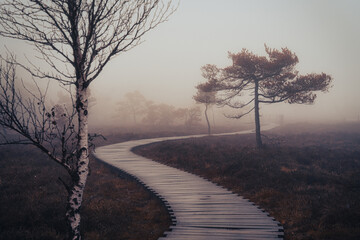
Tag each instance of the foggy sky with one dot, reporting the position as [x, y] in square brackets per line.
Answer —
[324, 34]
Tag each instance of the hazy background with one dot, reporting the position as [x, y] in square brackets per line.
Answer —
[325, 35]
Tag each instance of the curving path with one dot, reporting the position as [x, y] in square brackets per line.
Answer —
[199, 209]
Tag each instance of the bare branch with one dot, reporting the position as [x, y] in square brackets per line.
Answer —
[24, 113]
[76, 39]
[240, 115]
[85, 35]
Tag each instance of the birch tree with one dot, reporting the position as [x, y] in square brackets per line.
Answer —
[252, 80]
[77, 39]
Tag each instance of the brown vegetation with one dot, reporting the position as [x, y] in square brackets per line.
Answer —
[33, 201]
[307, 179]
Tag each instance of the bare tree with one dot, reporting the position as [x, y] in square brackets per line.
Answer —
[76, 38]
[192, 117]
[270, 79]
[208, 99]
[134, 104]
[24, 111]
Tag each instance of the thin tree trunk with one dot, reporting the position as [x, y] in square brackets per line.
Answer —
[257, 117]
[80, 174]
[81, 170]
[212, 111]
[207, 119]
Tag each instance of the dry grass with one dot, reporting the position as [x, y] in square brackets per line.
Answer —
[308, 180]
[33, 201]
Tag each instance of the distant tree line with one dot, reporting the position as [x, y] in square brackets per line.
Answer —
[135, 110]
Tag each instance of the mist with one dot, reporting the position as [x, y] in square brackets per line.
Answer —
[165, 68]
[220, 74]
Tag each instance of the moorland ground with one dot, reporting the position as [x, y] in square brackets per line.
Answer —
[307, 176]
[33, 200]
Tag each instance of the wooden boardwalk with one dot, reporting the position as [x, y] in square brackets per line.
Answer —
[199, 209]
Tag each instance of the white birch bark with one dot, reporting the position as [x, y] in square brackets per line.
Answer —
[82, 37]
[82, 169]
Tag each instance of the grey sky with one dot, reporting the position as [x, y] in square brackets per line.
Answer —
[325, 34]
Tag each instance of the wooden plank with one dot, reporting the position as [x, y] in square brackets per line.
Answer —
[221, 230]
[202, 209]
